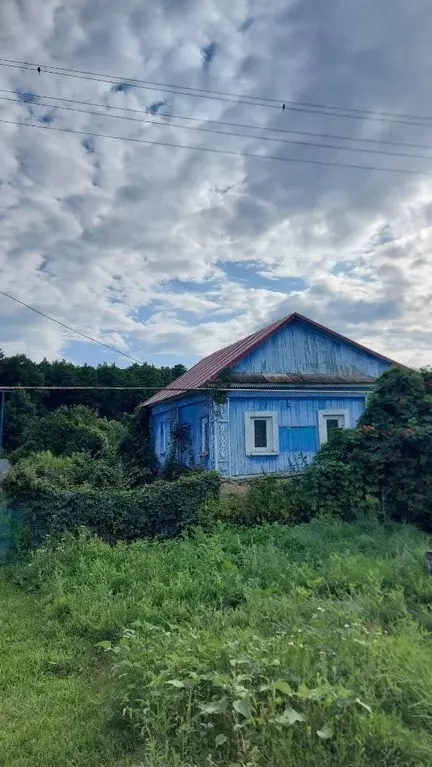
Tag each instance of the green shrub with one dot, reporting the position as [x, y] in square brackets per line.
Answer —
[163, 508]
[136, 449]
[45, 471]
[70, 430]
[264, 501]
[382, 467]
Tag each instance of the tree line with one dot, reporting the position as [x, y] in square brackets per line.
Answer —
[25, 406]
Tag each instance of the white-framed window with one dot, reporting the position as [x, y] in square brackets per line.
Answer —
[261, 432]
[329, 420]
[163, 436]
[204, 436]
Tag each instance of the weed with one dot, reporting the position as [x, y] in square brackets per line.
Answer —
[261, 646]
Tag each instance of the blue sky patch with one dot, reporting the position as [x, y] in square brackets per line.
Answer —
[27, 97]
[46, 118]
[184, 286]
[209, 53]
[383, 236]
[121, 88]
[343, 267]
[143, 313]
[81, 352]
[88, 145]
[252, 274]
[246, 24]
[154, 108]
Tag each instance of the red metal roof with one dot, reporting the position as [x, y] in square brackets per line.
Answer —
[209, 368]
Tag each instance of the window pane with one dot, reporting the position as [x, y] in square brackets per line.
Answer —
[260, 432]
[333, 423]
[204, 436]
[162, 437]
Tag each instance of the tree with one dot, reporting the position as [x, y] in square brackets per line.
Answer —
[136, 449]
[19, 370]
[20, 411]
[70, 430]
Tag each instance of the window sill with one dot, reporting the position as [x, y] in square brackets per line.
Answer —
[257, 453]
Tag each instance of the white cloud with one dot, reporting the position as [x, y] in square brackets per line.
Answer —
[95, 231]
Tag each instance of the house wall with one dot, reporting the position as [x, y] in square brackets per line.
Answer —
[301, 348]
[186, 410]
[298, 347]
[298, 427]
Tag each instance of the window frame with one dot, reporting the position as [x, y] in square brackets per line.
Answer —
[163, 436]
[272, 432]
[325, 415]
[204, 437]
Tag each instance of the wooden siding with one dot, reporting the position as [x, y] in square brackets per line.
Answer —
[298, 426]
[187, 410]
[300, 348]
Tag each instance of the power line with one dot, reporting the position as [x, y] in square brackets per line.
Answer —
[105, 388]
[257, 387]
[214, 150]
[294, 142]
[308, 108]
[113, 80]
[337, 137]
[73, 330]
[274, 102]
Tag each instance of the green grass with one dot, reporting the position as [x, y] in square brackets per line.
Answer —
[53, 710]
[265, 647]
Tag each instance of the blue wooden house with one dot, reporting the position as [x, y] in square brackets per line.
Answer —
[287, 385]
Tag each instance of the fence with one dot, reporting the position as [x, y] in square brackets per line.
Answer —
[10, 526]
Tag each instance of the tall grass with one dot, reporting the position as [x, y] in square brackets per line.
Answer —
[272, 646]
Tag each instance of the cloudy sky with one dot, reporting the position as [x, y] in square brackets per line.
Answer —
[169, 253]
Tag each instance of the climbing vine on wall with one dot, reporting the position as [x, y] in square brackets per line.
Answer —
[219, 393]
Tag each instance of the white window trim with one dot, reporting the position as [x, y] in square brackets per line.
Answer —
[204, 448]
[322, 418]
[272, 416]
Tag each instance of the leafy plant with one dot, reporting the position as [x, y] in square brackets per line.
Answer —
[68, 431]
[162, 508]
[270, 645]
[384, 466]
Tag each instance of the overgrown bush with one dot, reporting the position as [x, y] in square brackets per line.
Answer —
[264, 500]
[383, 466]
[70, 430]
[45, 471]
[136, 449]
[160, 509]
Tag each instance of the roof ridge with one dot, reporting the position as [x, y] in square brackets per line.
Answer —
[210, 366]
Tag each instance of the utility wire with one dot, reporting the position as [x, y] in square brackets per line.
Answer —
[112, 80]
[73, 330]
[150, 121]
[273, 102]
[170, 115]
[214, 150]
[347, 112]
[7, 388]
[171, 388]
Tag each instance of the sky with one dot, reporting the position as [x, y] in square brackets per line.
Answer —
[169, 253]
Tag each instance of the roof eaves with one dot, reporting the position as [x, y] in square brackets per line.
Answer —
[216, 362]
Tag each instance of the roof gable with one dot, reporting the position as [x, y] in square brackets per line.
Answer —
[209, 368]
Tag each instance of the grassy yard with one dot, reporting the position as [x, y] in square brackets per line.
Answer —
[268, 647]
[53, 712]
